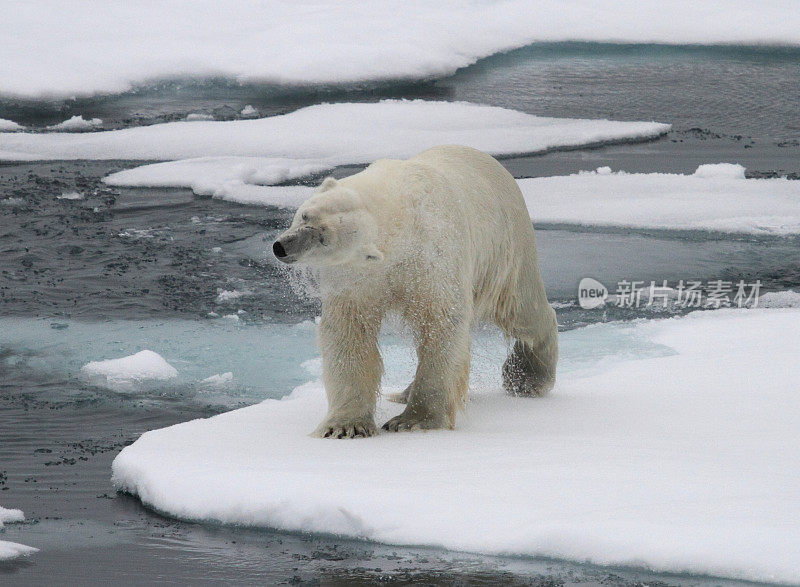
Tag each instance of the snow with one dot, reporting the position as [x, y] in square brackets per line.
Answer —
[728, 170]
[8, 516]
[249, 112]
[194, 116]
[222, 158]
[714, 198]
[13, 550]
[76, 124]
[9, 126]
[779, 299]
[317, 41]
[124, 373]
[666, 444]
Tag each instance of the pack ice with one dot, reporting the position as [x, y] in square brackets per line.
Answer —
[716, 197]
[12, 550]
[240, 160]
[668, 444]
[46, 55]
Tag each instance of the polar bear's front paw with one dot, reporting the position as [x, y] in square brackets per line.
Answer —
[357, 429]
[411, 421]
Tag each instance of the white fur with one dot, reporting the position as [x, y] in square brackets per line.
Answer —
[444, 239]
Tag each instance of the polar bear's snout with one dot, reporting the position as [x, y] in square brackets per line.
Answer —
[292, 244]
[278, 250]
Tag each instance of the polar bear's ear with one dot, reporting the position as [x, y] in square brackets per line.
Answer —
[328, 184]
[371, 253]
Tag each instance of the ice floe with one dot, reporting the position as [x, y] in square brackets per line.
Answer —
[14, 550]
[313, 139]
[669, 444]
[780, 299]
[8, 516]
[9, 126]
[76, 124]
[716, 197]
[126, 372]
[249, 111]
[135, 42]
[218, 381]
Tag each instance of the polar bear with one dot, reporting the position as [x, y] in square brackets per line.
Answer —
[444, 239]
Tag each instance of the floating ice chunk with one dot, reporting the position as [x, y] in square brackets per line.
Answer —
[672, 454]
[13, 550]
[232, 317]
[9, 126]
[728, 170]
[195, 116]
[249, 112]
[714, 198]
[289, 43]
[8, 516]
[70, 196]
[229, 295]
[218, 380]
[145, 366]
[779, 299]
[76, 124]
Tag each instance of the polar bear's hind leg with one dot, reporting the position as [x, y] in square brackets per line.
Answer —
[530, 369]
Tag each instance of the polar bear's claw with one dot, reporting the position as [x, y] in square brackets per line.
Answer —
[357, 430]
[407, 421]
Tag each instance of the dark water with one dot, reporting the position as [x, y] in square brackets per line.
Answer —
[161, 257]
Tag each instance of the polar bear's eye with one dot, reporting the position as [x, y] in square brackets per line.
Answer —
[304, 217]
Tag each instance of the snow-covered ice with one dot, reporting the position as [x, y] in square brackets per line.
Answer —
[249, 111]
[195, 116]
[780, 299]
[126, 372]
[218, 380]
[76, 124]
[9, 126]
[13, 550]
[668, 444]
[219, 156]
[716, 197]
[8, 516]
[46, 54]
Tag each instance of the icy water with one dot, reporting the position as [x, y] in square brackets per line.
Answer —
[120, 270]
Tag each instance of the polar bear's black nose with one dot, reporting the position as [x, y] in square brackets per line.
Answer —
[278, 249]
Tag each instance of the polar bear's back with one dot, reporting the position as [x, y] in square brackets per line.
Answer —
[482, 194]
[483, 188]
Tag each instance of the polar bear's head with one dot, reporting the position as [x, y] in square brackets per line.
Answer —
[332, 227]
